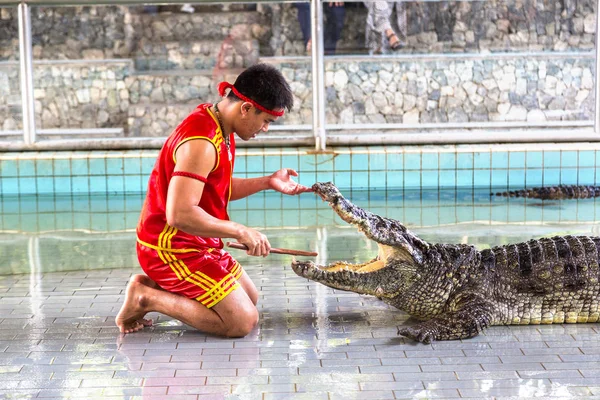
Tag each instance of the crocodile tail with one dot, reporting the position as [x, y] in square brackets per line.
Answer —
[515, 193]
[542, 265]
[589, 192]
[570, 192]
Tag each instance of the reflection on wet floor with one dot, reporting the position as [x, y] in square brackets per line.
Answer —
[64, 270]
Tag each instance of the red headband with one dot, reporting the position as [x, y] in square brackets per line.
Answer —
[226, 85]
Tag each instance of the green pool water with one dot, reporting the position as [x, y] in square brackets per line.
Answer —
[72, 233]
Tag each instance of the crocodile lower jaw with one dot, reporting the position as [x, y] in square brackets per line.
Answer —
[373, 265]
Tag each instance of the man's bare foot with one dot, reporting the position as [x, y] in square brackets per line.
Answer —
[131, 316]
[144, 280]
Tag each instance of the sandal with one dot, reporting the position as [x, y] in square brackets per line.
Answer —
[394, 42]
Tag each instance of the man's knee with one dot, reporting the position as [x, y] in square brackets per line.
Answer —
[244, 323]
[139, 278]
[250, 289]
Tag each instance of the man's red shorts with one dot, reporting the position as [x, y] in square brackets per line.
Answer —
[205, 275]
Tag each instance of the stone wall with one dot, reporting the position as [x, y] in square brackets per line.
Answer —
[69, 32]
[170, 61]
[9, 34]
[10, 97]
[375, 91]
[102, 32]
[69, 96]
[433, 27]
[533, 90]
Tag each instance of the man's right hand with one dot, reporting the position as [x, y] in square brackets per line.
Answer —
[258, 244]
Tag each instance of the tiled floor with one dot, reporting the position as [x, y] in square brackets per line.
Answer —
[58, 340]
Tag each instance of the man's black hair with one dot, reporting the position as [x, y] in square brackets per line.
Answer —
[264, 84]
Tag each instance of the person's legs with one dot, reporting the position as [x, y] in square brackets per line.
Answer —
[128, 316]
[401, 20]
[304, 21]
[382, 11]
[200, 289]
[393, 40]
[238, 313]
[234, 316]
[249, 287]
[333, 27]
[378, 24]
[145, 279]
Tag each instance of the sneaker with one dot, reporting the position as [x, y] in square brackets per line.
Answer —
[187, 8]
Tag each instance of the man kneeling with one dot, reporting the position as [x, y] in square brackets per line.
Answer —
[188, 274]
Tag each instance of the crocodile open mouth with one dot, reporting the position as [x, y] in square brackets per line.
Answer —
[373, 265]
[367, 267]
[365, 278]
[399, 250]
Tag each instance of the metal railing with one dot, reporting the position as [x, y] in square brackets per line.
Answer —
[322, 133]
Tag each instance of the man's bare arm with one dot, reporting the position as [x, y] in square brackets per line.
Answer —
[184, 194]
[280, 181]
[244, 187]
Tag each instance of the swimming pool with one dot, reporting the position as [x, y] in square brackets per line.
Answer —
[66, 233]
[66, 259]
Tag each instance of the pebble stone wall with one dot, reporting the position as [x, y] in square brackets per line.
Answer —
[162, 65]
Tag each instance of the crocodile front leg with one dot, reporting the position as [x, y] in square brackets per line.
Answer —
[471, 318]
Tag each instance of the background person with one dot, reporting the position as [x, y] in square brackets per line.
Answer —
[334, 13]
[379, 27]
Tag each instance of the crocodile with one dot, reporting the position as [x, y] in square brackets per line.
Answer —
[559, 192]
[456, 290]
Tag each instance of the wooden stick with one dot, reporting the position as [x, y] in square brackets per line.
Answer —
[240, 246]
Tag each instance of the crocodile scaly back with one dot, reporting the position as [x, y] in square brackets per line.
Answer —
[555, 192]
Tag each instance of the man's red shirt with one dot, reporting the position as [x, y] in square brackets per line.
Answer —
[153, 230]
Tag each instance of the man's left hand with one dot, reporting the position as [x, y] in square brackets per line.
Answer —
[282, 182]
